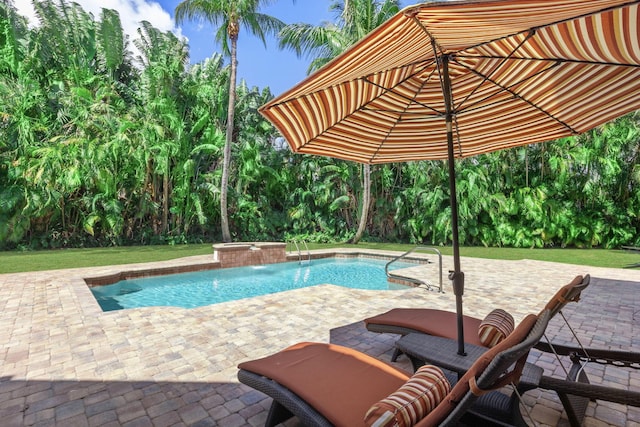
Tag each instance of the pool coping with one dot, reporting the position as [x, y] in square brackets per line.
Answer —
[141, 271]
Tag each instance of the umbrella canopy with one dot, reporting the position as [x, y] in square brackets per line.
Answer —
[459, 78]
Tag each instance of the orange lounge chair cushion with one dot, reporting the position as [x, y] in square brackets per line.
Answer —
[430, 321]
[338, 382]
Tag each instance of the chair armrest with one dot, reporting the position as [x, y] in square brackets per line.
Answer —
[618, 358]
[592, 391]
[442, 352]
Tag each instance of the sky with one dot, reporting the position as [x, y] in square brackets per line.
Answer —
[258, 65]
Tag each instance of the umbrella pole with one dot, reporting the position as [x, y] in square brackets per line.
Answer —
[456, 276]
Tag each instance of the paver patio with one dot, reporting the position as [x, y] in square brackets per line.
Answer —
[65, 362]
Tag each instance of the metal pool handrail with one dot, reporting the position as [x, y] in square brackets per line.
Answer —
[295, 243]
[414, 280]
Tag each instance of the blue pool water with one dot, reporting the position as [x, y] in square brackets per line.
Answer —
[202, 288]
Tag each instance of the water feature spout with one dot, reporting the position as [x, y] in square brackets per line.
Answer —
[257, 257]
[239, 254]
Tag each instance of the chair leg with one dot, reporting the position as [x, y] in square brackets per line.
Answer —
[277, 414]
[396, 354]
[575, 406]
[415, 362]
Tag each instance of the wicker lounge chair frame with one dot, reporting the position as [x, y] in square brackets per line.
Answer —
[575, 391]
[566, 294]
[505, 367]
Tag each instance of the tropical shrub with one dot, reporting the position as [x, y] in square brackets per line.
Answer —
[99, 148]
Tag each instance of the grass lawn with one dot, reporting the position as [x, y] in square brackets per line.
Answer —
[14, 262]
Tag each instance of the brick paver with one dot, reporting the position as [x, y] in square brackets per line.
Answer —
[65, 362]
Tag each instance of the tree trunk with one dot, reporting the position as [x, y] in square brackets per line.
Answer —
[226, 159]
[366, 198]
[165, 200]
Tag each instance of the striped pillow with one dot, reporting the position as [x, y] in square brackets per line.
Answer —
[412, 401]
[495, 327]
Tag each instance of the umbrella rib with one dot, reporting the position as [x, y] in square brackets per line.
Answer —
[448, 96]
[488, 76]
[390, 131]
[401, 95]
[549, 59]
[550, 24]
[516, 95]
[387, 89]
[434, 41]
[506, 89]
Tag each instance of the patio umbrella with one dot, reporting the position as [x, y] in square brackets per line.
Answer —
[452, 79]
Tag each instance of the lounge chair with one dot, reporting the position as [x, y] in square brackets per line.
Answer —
[575, 391]
[331, 385]
[442, 323]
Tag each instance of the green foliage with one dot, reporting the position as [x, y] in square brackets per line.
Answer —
[354, 20]
[95, 151]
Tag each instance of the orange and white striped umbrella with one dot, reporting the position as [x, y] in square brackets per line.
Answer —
[520, 72]
[451, 79]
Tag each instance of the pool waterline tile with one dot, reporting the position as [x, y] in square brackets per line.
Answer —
[55, 337]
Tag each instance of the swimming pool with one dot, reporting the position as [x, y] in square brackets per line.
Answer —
[196, 289]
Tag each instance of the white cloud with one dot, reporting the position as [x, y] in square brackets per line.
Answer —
[25, 8]
[131, 13]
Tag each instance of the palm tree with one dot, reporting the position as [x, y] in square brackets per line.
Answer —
[355, 19]
[228, 16]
